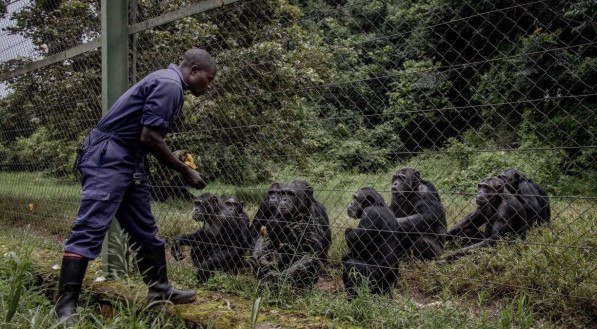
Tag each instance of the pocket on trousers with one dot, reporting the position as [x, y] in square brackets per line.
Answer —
[96, 195]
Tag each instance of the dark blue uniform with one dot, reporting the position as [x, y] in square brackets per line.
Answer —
[111, 162]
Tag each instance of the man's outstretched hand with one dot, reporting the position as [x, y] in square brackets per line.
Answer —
[153, 141]
[193, 179]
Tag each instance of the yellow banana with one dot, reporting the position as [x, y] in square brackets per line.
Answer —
[189, 161]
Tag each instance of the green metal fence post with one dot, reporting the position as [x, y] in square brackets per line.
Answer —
[114, 83]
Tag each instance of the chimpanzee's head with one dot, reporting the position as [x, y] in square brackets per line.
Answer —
[512, 178]
[296, 198]
[273, 197]
[405, 180]
[363, 198]
[207, 205]
[489, 191]
[233, 205]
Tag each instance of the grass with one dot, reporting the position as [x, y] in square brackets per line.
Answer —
[548, 280]
[24, 304]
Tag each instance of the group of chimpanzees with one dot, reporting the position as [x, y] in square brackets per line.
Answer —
[290, 234]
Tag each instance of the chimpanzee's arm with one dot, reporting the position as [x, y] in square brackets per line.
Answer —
[489, 242]
[221, 261]
[427, 207]
[388, 249]
[470, 223]
[193, 240]
[258, 221]
[355, 237]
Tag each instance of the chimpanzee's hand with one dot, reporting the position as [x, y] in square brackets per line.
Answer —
[175, 251]
[193, 179]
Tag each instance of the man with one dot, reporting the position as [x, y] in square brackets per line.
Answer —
[115, 183]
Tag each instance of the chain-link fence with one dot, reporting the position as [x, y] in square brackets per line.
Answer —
[421, 101]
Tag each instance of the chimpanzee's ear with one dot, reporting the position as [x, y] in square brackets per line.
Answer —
[214, 200]
[370, 199]
[417, 175]
[242, 203]
[309, 192]
[500, 186]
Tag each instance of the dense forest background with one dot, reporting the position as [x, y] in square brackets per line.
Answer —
[335, 86]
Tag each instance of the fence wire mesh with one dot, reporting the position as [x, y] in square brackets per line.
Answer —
[475, 121]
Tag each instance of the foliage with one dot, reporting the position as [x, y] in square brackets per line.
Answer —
[358, 85]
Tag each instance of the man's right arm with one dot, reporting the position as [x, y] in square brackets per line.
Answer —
[153, 141]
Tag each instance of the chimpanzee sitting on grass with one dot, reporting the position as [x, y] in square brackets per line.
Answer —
[534, 199]
[498, 214]
[420, 214]
[295, 237]
[222, 242]
[373, 246]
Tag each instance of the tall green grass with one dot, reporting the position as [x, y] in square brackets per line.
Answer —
[548, 279]
[24, 304]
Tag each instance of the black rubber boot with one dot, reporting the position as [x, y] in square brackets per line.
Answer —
[71, 279]
[152, 266]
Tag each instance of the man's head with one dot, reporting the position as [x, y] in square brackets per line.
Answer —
[198, 70]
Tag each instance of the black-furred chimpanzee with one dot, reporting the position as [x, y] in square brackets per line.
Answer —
[534, 199]
[373, 246]
[266, 210]
[420, 214]
[221, 243]
[296, 237]
[498, 211]
[235, 209]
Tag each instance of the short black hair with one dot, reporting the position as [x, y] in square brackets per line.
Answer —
[199, 57]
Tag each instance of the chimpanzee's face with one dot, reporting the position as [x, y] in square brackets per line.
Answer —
[273, 196]
[488, 191]
[288, 202]
[362, 199]
[405, 180]
[233, 205]
[355, 207]
[205, 205]
[294, 199]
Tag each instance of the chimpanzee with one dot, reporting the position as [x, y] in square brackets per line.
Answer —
[235, 209]
[373, 246]
[266, 209]
[500, 212]
[221, 243]
[269, 205]
[420, 214]
[295, 238]
[534, 199]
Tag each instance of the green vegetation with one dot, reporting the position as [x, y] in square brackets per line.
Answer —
[357, 85]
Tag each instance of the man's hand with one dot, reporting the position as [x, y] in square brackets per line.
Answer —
[153, 141]
[193, 179]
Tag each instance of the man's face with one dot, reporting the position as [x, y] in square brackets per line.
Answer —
[199, 80]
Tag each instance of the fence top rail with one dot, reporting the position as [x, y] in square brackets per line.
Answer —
[169, 17]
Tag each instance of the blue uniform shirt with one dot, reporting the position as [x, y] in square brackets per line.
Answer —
[154, 101]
